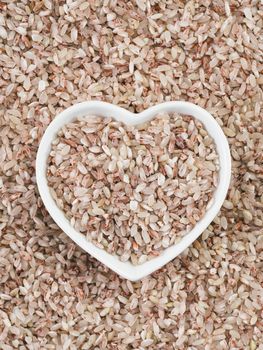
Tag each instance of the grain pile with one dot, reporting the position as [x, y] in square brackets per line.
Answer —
[133, 190]
[135, 54]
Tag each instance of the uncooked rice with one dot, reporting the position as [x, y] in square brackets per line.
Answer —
[134, 54]
[133, 190]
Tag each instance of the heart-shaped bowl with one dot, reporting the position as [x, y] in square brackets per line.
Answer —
[126, 269]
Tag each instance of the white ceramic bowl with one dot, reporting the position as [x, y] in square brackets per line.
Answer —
[126, 269]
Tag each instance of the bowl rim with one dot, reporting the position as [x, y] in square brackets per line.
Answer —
[126, 269]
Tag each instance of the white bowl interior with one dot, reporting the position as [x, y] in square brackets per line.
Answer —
[126, 269]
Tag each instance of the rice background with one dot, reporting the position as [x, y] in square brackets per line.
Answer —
[134, 54]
